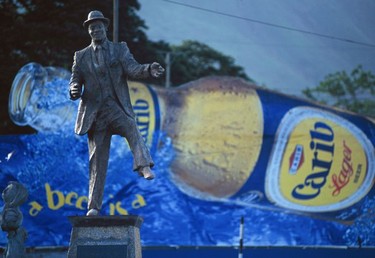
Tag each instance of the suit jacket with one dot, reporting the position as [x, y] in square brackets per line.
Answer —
[121, 66]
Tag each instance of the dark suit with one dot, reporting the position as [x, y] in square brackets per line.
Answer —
[105, 109]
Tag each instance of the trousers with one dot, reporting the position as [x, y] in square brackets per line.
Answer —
[111, 120]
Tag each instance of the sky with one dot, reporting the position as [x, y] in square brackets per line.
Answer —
[264, 36]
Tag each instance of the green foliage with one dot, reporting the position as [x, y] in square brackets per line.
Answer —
[354, 91]
[49, 32]
[193, 60]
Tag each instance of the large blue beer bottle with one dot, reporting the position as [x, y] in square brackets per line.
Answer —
[235, 142]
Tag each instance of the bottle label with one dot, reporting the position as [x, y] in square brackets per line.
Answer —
[146, 108]
[320, 162]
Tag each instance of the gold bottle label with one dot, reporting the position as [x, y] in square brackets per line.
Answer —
[320, 162]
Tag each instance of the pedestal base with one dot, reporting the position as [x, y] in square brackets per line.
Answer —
[105, 236]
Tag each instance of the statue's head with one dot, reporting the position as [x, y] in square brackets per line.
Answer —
[97, 25]
[15, 194]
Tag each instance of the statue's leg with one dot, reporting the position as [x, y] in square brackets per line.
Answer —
[99, 144]
[127, 127]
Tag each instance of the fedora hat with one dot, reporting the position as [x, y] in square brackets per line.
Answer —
[95, 16]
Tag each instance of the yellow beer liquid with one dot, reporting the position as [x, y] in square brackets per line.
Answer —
[216, 127]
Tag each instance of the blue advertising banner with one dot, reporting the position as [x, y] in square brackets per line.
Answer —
[299, 173]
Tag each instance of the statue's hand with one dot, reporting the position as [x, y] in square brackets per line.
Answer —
[75, 91]
[156, 70]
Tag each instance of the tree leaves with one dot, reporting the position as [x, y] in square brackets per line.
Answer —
[354, 91]
[193, 60]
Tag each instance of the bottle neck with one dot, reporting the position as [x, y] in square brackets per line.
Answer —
[38, 98]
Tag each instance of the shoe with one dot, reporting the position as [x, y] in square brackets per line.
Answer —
[146, 173]
[92, 212]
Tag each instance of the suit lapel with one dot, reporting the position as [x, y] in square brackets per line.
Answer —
[111, 60]
[111, 52]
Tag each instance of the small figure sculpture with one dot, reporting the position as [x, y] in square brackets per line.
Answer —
[99, 78]
[14, 195]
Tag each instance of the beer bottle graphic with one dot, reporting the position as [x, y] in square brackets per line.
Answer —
[235, 142]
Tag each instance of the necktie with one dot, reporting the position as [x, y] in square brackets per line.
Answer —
[100, 58]
[99, 55]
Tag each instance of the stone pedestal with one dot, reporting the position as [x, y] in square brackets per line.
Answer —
[105, 236]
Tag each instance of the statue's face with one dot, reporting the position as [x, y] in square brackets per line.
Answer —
[97, 31]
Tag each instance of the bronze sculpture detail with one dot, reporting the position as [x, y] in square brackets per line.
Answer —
[99, 77]
[14, 195]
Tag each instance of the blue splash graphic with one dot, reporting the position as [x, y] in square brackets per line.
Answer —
[363, 228]
[171, 217]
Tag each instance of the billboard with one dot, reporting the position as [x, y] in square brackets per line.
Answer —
[298, 172]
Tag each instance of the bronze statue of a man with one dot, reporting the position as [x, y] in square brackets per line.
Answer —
[99, 77]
